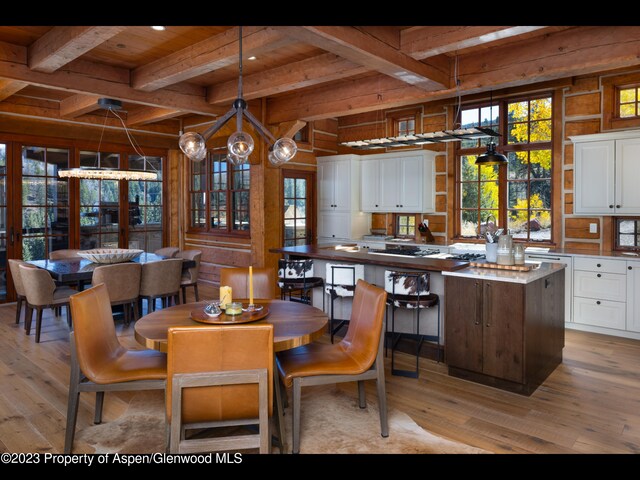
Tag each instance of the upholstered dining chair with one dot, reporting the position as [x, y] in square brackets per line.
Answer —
[238, 280]
[41, 292]
[190, 277]
[14, 267]
[168, 252]
[219, 376]
[64, 253]
[123, 284]
[161, 279]
[358, 357]
[99, 363]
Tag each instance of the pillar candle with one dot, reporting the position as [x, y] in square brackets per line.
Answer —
[250, 285]
[225, 296]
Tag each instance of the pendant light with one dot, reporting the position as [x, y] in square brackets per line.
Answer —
[491, 156]
[240, 144]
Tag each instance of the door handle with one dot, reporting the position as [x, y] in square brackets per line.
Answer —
[478, 299]
[618, 206]
[488, 324]
[11, 236]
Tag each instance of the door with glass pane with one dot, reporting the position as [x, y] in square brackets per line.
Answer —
[4, 221]
[298, 208]
[145, 205]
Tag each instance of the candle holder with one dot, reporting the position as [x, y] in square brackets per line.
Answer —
[252, 307]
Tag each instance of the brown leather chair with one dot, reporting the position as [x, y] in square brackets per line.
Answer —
[161, 279]
[357, 357]
[168, 252]
[238, 280]
[99, 363]
[64, 253]
[190, 277]
[123, 284]
[41, 292]
[219, 376]
[14, 267]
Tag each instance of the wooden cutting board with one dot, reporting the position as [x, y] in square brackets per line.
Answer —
[516, 268]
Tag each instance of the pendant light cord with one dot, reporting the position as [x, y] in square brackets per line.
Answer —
[133, 141]
[240, 62]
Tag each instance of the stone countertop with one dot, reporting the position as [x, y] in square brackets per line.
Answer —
[354, 255]
[544, 270]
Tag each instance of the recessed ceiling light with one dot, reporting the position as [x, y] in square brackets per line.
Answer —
[159, 28]
[252, 57]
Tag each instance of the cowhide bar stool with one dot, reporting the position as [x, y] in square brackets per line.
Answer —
[297, 276]
[410, 290]
[341, 283]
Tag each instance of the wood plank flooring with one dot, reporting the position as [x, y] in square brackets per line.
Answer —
[590, 404]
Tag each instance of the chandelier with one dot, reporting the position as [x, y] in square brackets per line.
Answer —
[100, 173]
[240, 144]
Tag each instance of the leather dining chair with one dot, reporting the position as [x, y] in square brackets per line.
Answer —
[64, 253]
[190, 277]
[168, 252]
[219, 376]
[358, 357]
[41, 292]
[21, 296]
[123, 284]
[161, 279]
[238, 280]
[99, 363]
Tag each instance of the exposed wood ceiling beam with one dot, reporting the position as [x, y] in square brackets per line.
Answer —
[146, 115]
[311, 71]
[563, 54]
[366, 50]
[60, 45]
[208, 55]
[93, 78]
[424, 42]
[10, 87]
[78, 105]
[289, 129]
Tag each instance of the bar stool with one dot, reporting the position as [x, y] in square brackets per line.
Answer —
[297, 276]
[409, 290]
[341, 282]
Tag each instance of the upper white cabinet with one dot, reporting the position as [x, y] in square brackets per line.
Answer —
[398, 182]
[607, 169]
[334, 178]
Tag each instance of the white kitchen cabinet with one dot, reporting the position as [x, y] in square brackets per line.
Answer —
[370, 175]
[334, 179]
[606, 172]
[633, 296]
[599, 313]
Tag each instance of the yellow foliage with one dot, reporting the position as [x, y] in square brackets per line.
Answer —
[535, 202]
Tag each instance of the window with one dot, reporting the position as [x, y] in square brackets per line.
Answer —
[405, 122]
[621, 101]
[145, 205]
[518, 195]
[628, 102]
[219, 195]
[405, 126]
[298, 207]
[302, 135]
[627, 233]
[406, 225]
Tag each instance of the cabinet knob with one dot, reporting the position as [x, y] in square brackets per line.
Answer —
[618, 206]
[599, 275]
[376, 205]
[397, 205]
[629, 268]
[598, 302]
[488, 325]
[610, 206]
[401, 206]
[598, 265]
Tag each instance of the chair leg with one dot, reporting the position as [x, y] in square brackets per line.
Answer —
[195, 291]
[184, 294]
[72, 402]
[297, 393]
[279, 413]
[18, 310]
[362, 396]
[28, 317]
[97, 418]
[151, 304]
[136, 312]
[69, 318]
[38, 323]
[382, 398]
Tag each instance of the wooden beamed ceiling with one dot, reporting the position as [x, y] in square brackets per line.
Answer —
[305, 73]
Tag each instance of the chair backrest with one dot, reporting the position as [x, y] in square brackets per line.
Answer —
[238, 280]
[121, 279]
[97, 345]
[406, 284]
[195, 255]
[64, 253]
[344, 274]
[14, 266]
[295, 269]
[161, 278]
[38, 285]
[168, 252]
[365, 326]
[219, 349]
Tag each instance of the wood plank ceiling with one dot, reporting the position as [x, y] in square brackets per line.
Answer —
[189, 73]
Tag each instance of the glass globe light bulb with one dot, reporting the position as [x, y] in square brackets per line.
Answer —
[284, 149]
[235, 159]
[193, 146]
[240, 144]
[273, 159]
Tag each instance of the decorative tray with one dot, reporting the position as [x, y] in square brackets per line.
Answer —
[110, 255]
[516, 268]
[223, 319]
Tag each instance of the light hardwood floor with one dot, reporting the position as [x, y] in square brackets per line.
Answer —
[591, 403]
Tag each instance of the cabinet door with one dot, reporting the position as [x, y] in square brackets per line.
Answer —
[370, 185]
[633, 296]
[334, 225]
[463, 325]
[503, 315]
[342, 185]
[594, 177]
[326, 180]
[410, 184]
[389, 175]
[600, 313]
[601, 286]
[627, 175]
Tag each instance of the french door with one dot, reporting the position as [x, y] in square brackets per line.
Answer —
[298, 207]
[6, 249]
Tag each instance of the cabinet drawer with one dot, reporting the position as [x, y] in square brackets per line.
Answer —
[599, 265]
[600, 286]
[600, 313]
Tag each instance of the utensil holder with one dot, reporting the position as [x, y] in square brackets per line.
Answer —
[491, 252]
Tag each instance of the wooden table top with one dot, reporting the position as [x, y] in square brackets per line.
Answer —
[295, 324]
